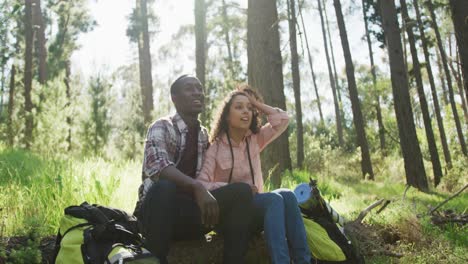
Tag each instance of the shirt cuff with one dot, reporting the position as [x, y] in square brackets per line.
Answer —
[276, 118]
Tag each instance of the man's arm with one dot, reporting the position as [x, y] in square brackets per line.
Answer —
[158, 164]
[206, 202]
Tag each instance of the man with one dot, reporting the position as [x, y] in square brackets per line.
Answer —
[172, 204]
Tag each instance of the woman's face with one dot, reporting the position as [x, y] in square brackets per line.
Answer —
[240, 113]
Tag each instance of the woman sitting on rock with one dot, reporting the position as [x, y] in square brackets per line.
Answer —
[234, 156]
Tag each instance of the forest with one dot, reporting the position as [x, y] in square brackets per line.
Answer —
[376, 92]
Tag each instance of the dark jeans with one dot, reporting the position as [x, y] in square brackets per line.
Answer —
[168, 215]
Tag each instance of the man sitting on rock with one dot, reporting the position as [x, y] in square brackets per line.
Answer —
[172, 204]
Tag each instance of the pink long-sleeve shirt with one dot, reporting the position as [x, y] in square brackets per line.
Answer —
[217, 162]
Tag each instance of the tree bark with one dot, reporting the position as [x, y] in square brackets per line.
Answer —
[458, 78]
[296, 81]
[436, 167]
[460, 24]
[200, 39]
[335, 74]
[378, 109]
[311, 64]
[442, 79]
[461, 139]
[2, 90]
[414, 166]
[339, 128]
[200, 49]
[11, 105]
[146, 79]
[227, 39]
[265, 73]
[366, 164]
[41, 41]
[27, 78]
[440, 123]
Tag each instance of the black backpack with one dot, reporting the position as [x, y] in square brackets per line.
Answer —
[92, 234]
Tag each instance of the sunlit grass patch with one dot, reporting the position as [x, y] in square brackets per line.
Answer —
[34, 190]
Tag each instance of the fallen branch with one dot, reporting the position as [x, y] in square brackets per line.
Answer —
[439, 221]
[367, 210]
[406, 189]
[387, 253]
[387, 202]
[448, 199]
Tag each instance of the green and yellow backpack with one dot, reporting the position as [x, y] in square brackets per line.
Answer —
[92, 234]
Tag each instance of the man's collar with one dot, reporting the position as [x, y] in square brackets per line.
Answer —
[180, 123]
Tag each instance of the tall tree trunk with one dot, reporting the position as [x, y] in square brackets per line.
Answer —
[335, 74]
[265, 73]
[339, 128]
[378, 109]
[11, 105]
[461, 139]
[200, 48]
[2, 90]
[442, 78]
[296, 81]
[27, 79]
[66, 81]
[460, 24]
[436, 167]
[366, 164]
[414, 166]
[405, 56]
[41, 41]
[311, 63]
[458, 79]
[146, 79]
[200, 39]
[440, 123]
[227, 39]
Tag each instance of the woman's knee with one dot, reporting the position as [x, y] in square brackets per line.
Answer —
[288, 197]
[271, 199]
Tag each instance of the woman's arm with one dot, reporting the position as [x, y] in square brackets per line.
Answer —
[278, 121]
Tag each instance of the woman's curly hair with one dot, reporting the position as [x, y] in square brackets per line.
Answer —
[220, 122]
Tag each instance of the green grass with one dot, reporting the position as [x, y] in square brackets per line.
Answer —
[35, 189]
[420, 240]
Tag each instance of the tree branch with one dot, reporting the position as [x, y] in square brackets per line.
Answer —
[367, 210]
[448, 199]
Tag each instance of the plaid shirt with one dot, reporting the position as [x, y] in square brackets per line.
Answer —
[165, 143]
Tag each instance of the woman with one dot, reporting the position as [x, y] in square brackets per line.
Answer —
[234, 156]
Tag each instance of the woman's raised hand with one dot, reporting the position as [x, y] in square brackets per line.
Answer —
[252, 99]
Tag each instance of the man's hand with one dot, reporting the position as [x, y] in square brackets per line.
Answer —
[254, 189]
[208, 205]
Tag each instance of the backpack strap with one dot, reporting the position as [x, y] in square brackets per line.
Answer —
[88, 212]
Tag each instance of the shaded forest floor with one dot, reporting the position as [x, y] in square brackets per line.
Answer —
[34, 190]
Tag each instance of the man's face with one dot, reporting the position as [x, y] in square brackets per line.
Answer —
[189, 97]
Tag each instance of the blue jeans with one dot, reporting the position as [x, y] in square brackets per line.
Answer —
[283, 226]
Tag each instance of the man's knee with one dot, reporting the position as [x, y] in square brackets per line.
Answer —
[162, 190]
